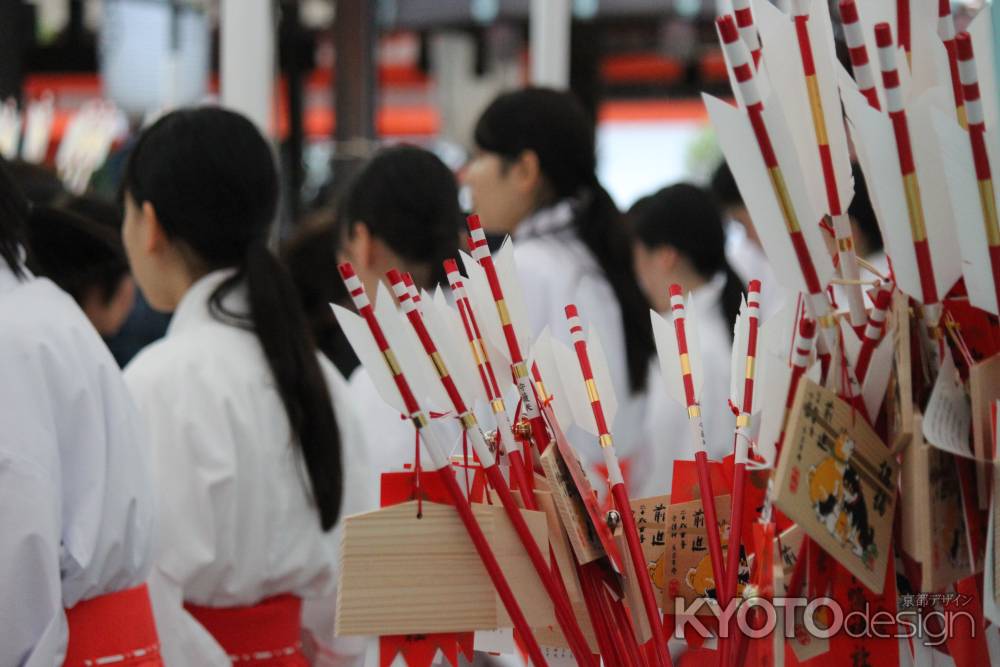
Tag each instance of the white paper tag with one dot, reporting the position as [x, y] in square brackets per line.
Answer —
[500, 641]
[948, 416]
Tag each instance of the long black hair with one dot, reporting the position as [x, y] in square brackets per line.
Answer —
[686, 217]
[408, 199]
[212, 181]
[14, 209]
[557, 129]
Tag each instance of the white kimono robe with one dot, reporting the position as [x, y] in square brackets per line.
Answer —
[556, 268]
[238, 524]
[76, 508]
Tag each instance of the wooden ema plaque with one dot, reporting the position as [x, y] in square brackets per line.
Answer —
[684, 569]
[402, 575]
[899, 395]
[837, 480]
[933, 525]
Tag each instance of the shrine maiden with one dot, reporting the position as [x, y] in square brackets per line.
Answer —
[256, 454]
[533, 177]
[400, 212]
[76, 509]
[679, 239]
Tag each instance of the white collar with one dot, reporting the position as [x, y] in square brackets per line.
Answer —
[547, 220]
[193, 307]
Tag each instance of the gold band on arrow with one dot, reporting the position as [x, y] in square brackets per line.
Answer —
[989, 207]
[815, 105]
[784, 199]
[915, 207]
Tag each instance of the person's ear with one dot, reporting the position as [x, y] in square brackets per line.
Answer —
[666, 258]
[360, 245]
[154, 238]
[527, 171]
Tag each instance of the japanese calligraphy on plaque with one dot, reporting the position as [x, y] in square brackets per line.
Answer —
[684, 570]
[837, 480]
[650, 515]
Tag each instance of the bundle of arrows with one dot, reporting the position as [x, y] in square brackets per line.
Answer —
[853, 521]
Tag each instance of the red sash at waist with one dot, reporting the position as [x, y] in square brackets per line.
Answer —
[116, 628]
[267, 633]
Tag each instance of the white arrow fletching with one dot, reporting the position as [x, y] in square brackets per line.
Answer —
[670, 361]
[543, 355]
[410, 354]
[773, 378]
[453, 347]
[967, 213]
[477, 288]
[784, 64]
[876, 151]
[574, 386]
[692, 321]
[938, 214]
[983, 45]
[738, 362]
[743, 155]
[602, 376]
[877, 378]
[503, 261]
[360, 337]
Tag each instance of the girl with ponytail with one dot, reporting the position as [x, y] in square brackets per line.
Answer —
[534, 177]
[254, 446]
[679, 238]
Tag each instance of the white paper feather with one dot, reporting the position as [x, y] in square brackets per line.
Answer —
[743, 156]
[984, 45]
[738, 358]
[477, 288]
[777, 333]
[543, 355]
[451, 342]
[359, 336]
[574, 386]
[784, 63]
[413, 360]
[877, 378]
[876, 150]
[773, 378]
[928, 57]
[967, 212]
[503, 261]
[938, 213]
[692, 327]
[670, 362]
[602, 376]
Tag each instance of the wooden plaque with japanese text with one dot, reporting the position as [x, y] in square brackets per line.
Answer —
[837, 480]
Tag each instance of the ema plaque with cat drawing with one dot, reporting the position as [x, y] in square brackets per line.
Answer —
[837, 480]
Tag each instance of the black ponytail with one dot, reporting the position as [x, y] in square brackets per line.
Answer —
[14, 210]
[557, 129]
[687, 218]
[211, 178]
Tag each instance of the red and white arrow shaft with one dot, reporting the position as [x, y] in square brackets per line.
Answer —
[946, 31]
[519, 367]
[873, 331]
[618, 490]
[564, 613]
[977, 137]
[437, 451]
[848, 262]
[747, 28]
[907, 166]
[698, 433]
[864, 75]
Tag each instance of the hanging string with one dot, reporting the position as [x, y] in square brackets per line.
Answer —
[416, 473]
[465, 455]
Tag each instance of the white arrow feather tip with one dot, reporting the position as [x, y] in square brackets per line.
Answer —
[359, 336]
